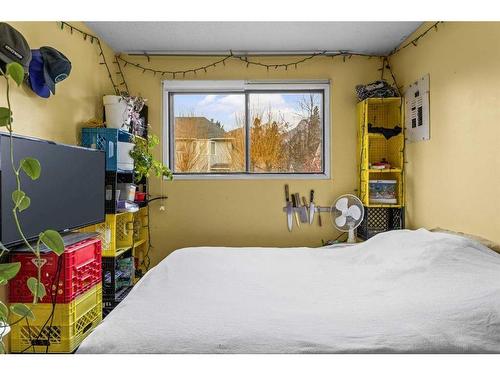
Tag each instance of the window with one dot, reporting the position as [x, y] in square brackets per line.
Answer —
[246, 129]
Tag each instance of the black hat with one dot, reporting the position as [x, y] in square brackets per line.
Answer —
[13, 47]
[56, 67]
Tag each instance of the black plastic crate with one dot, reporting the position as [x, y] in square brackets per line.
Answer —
[380, 219]
[107, 306]
[117, 275]
[111, 180]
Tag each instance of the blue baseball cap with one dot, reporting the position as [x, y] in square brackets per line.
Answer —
[36, 78]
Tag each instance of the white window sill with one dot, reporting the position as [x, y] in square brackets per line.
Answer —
[243, 176]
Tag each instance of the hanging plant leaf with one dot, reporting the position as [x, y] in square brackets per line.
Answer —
[20, 200]
[9, 270]
[36, 288]
[5, 116]
[16, 71]
[4, 312]
[25, 203]
[31, 167]
[53, 241]
[22, 310]
[17, 196]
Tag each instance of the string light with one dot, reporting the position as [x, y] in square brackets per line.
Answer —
[246, 61]
[120, 73]
[344, 54]
[101, 52]
[414, 41]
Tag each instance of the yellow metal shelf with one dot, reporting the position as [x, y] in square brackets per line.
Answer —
[391, 170]
[395, 100]
[383, 205]
[374, 147]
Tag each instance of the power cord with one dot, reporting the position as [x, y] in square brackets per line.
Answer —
[53, 295]
[323, 243]
[146, 262]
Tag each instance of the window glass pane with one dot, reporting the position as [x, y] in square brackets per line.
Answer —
[286, 132]
[209, 133]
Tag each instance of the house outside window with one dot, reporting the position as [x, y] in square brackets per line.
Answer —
[242, 129]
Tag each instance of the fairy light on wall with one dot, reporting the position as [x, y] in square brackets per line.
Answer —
[176, 74]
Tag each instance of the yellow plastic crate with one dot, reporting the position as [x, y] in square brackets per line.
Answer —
[116, 233]
[71, 323]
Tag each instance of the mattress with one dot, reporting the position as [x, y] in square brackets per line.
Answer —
[399, 292]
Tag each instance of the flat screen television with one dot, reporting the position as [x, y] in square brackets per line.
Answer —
[69, 194]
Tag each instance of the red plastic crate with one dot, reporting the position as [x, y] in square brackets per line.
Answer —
[80, 270]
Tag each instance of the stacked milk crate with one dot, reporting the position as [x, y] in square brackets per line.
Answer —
[72, 306]
[124, 233]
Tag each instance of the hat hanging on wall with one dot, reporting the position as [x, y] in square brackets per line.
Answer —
[48, 67]
[56, 67]
[13, 47]
[36, 78]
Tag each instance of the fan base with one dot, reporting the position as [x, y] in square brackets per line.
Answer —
[351, 238]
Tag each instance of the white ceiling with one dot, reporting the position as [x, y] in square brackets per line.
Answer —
[252, 37]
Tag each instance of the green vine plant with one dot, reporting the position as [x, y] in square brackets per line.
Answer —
[50, 238]
[144, 162]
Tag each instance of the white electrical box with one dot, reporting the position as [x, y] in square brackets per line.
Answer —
[417, 110]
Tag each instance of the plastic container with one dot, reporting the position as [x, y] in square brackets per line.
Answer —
[116, 111]
[140, 197]
[125, 161]
[80, 270]
[127, 191]
[383, 191]
[71, 323]
[115, 142]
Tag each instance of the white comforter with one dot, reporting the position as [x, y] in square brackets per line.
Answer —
[403, 291]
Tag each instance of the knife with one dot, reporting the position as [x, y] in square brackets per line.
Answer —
[289, 209]
[312, 208]
[302, 209]
[305, 206]
[295, 205]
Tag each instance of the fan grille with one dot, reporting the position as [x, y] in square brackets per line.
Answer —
[352, 200]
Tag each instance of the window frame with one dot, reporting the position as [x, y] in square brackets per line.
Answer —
[172, 87]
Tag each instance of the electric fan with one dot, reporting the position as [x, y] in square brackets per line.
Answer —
[347, 213]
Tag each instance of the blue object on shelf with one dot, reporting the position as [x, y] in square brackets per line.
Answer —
[108, 140]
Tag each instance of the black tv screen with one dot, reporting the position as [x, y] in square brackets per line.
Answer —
[69, 193]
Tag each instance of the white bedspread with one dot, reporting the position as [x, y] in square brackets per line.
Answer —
[402, 291]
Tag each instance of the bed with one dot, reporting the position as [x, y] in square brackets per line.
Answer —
[399, 292]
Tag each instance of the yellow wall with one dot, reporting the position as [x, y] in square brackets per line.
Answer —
[453, 180]
[249, 212]
[77, 99]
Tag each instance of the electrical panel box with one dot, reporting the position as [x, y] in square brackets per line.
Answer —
[417, 110]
